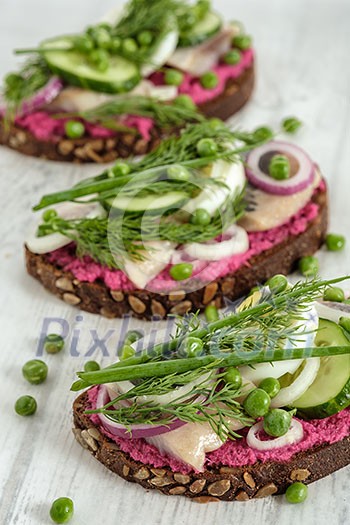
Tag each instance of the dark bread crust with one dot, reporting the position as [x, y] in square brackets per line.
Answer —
[97, 298]
[215, 483]
[236, 94]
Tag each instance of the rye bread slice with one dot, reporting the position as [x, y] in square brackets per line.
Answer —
[215, 483]
[97, 298]
[236, 94]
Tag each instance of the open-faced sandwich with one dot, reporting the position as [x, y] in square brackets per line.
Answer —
[194, 222]
[119, 86]
[243, 407]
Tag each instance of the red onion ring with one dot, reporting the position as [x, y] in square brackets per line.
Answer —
[301, 180]
[135, 431]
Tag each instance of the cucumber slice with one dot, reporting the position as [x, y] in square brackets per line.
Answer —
[204, 29]
[74, 68]
[330, 392]
[149, 203]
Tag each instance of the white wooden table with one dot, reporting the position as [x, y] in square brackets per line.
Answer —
[303, 69]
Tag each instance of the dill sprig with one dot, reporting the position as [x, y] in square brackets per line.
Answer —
[33, 75]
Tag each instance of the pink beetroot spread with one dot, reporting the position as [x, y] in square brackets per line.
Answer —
[87, 270]
[235, 453]
[46, 128]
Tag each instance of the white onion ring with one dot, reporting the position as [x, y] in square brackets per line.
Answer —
[136, 431]
[42, 97]
[238, 242]
[301, 180]
[332, 311]
[307, 376]
[294, 435]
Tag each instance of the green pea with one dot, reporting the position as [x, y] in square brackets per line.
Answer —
[84, 44]
[103, 38]
[263, 134]
[178, 172]
[74, 129]
[184, 101]
[35, 371]
[344, 322]
[13, 80]
[172, 77]
[62, 510]
[126, 352]
[116, 44]
[132, 336]
[182, 271]
[309, 266]
[335, 242]
[211, 313]
[25, 406]
[271, 386]
[100, 59]
[291, 125]
[278, 283]
[296, 493]
[91, 366]
[243, 42]
[233, 376]
[206, 147]
[53, 343]
[201, 8]
[334, 293]
[233, 57]
[145, 38]
[201, 217]
[188, 19]
[279, 167]
[209, 80]
[277, 422]
[216, 123]
[120, 169]
[257, 403]
[129, 46]
[191, 347]
[48, 215]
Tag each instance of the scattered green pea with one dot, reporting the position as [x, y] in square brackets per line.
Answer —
[271, 386]
[103, 38]
[91, 366]
[35, 371]
[233, 376]
[309, 266]
[100, 59]
[145, 38]
[263, 134]
[62, 510]
[211, 313]
[178, 172]
[25, 406]
[233, 57]
[53, 343]
[184, 101]
[344, 322]
[277, 422]
[335, 242]
[182, 271]
[83, 44]
[291, 125]
[278, 283]
[126, 352]
[257, 403]
[243, 42]
[120, 169]
[296, 493]
[201, 217]
[207, 147]
[74, 129]
[209, 80]
[49, 214]
[216, 123]
[129, 46]
[192, 347]
[279, 167]
[132, 336]
[116, 44]
[334, 293]
[172, 77]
